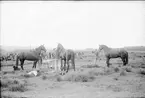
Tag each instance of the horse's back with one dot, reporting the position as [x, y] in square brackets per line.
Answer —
[116, 52]
[70, 54]
[27, 54]
[69, 51]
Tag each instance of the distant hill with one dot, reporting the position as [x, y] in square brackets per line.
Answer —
[135, 48]
[5, 49]
[12, 48]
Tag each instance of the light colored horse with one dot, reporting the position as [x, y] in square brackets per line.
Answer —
[96, 52]
[65, 56]
[114, 53]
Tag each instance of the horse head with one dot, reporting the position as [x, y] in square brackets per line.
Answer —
[59, 50]
[43, 48]
[103, 47]
[40, 49]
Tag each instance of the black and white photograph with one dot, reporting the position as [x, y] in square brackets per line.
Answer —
[72, 49]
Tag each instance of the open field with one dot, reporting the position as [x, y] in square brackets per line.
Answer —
[88, 81]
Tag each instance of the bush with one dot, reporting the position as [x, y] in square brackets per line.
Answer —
[128, 69]
[108, 71]
[122, 73]
[91, 66]
[7, 96]
[77, 77]
[13, 85]
[142, 71]
[116, 69]
[19, 88]
[44, 77]
[27, 75]
[96, 72]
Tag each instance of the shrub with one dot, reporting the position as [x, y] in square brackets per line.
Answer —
[44, 77]
[122, 73]
[116, 69]
[91, 66]
[77, 77]
[142, 71]
[108, 71]
[13, 85]
[128, 69]
[26, 75]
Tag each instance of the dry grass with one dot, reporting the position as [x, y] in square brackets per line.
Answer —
[77, 77]
[10, 96]
[27, 75]
[142, 71]
[116, 69]
[128, 69]
[97, 72]
[91, 66]
[13, 85]
[108, 71]
[123, 73]
[44, 77]
[7, 96]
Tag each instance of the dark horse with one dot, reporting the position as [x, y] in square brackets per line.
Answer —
[114, 53]
[66, 56]
[31, 55]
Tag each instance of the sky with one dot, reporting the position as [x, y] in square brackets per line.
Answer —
[76, 25]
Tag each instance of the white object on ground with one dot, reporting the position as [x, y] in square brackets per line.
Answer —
[33, 72]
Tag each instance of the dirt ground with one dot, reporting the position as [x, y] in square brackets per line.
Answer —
[88, 81]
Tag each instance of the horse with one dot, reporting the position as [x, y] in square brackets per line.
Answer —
[31, 55]
[96, 55]
[66, 56]
[114, 53]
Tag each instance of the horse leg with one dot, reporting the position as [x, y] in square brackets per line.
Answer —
[123, 60]
[34, 64]
[61, 65]
[126, 59]
[64, 67]
[73, 63]
[17, 63]
[22, 62]
[107, 62]
[67, 66]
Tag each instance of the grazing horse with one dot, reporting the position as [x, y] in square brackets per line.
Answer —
[31, 55]
[114, 53]
[66, 56]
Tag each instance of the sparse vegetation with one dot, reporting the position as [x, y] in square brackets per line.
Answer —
[27, 75]
[18, 87]
[116, 69]
[91, 66]
[88, 75]
[142, 71]
[77, 77]
[14, 85]
[123, 73]
[7, 96]
[128, 69]
[108, 71]
[44, 77]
